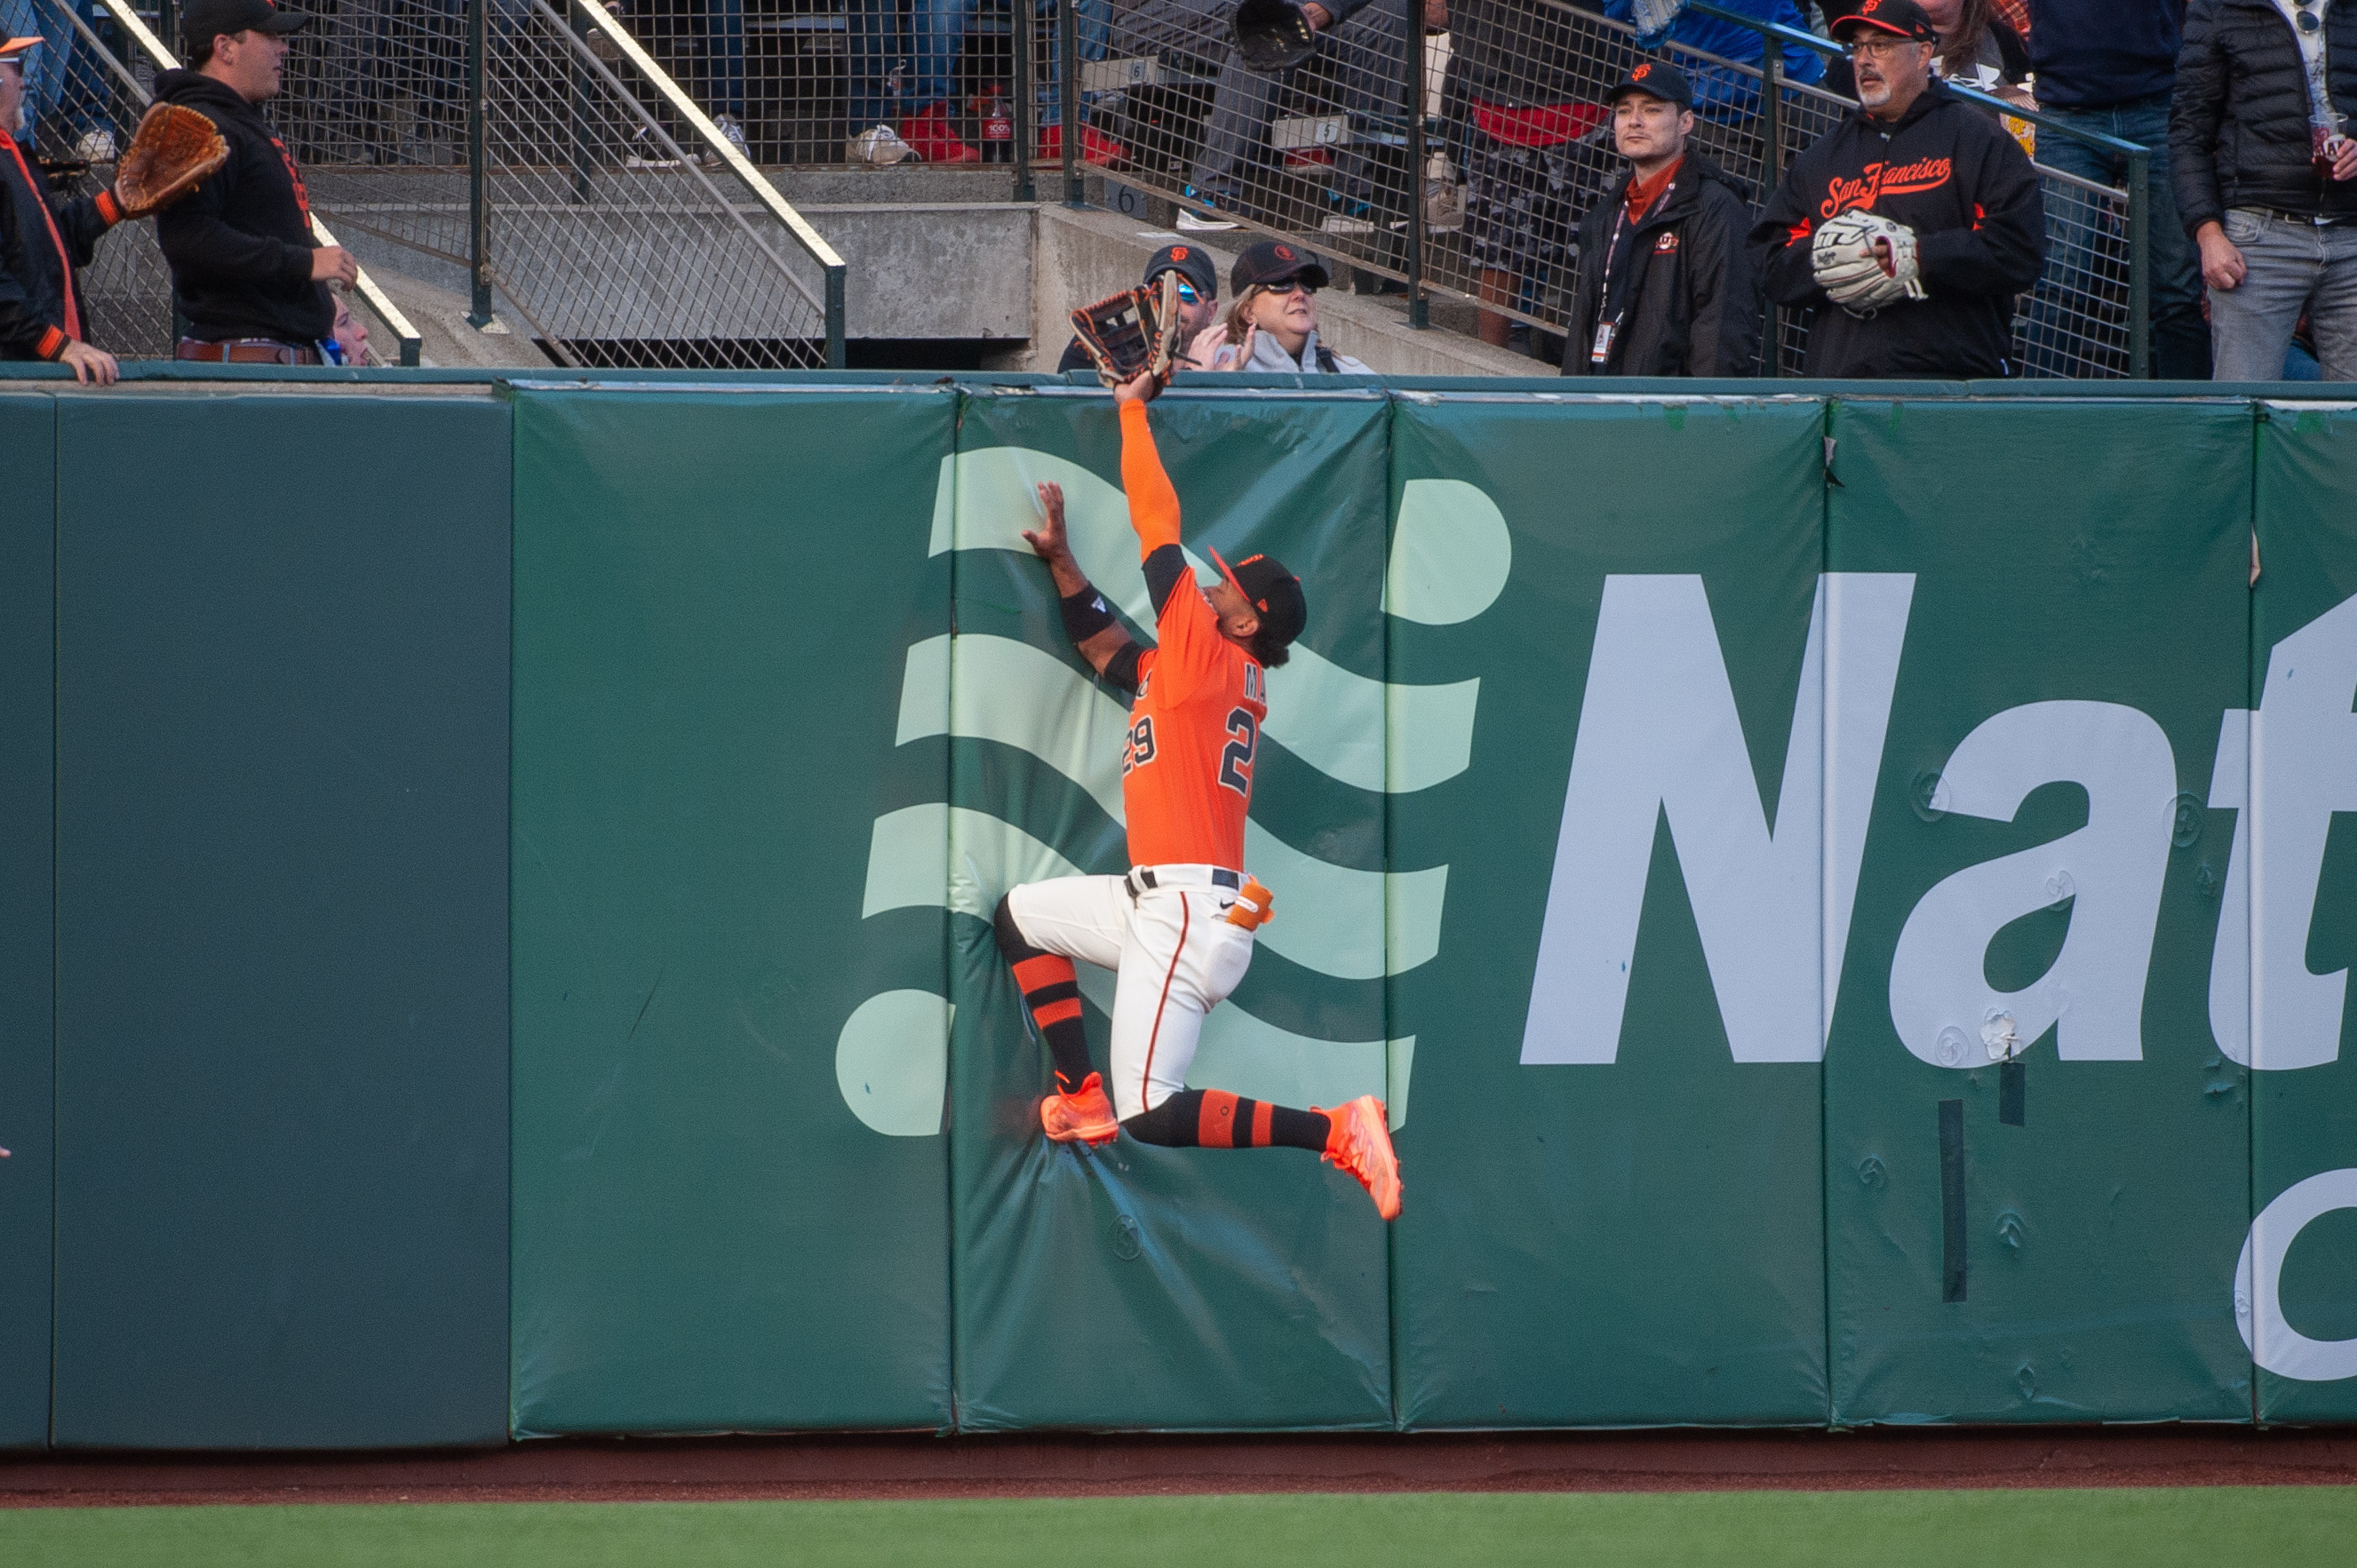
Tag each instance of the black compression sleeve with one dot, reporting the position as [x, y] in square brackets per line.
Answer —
[1085, 615]
[1121, 671]
[1164, 568]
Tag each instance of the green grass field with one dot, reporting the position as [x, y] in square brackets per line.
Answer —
[2284, 1527]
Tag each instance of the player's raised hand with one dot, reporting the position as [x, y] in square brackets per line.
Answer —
[1142, 389]
[1047, 540]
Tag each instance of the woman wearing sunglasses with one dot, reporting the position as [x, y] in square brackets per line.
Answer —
[1273, 326]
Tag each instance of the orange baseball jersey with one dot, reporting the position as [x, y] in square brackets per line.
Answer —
[1194, 731]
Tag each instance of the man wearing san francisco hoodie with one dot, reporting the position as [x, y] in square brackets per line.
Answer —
[1957, 184]
[247, 273]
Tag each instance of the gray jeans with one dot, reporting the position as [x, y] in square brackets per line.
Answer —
[2293, 268]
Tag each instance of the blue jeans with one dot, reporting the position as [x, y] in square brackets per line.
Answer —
[939, 28]
[2181, 341]
[724, 39]
[879, 69]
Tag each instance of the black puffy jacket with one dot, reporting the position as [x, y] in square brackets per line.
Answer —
[1695, 307]
[241, 243]
[2238, 127]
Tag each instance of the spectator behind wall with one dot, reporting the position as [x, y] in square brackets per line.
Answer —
[1273, 325]
[1971, 220]
[1978, 48]
[2267, 178]
[2110, 67]
[1725, 95]
[1666, 285]
[1199, 303]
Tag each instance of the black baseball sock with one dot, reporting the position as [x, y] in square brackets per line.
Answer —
[1214, 1118]
[1052, 994]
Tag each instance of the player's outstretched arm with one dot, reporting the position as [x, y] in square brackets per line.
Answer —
[1087, 621]
[1153, 504]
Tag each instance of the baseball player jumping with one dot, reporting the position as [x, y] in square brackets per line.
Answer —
[1178, 928]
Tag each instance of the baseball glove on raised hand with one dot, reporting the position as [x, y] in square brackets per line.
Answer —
[1272, 36]
[175, 148]
[1849, 265]
[1130, 333]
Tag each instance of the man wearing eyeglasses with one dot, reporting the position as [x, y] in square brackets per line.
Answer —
[1199, 299]
[1912, 226]
[2266, 178]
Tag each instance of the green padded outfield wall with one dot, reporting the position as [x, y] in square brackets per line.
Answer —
[2296, 875]
[1133, 1286]
[28, 956]
[2041, 881]
[282, 1201]
[1604, 700]
[731, 1170]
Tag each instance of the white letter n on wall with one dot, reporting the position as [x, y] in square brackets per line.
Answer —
[1658, 733]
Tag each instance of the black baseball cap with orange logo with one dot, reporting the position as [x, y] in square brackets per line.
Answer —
[1903, 18]
[1189, 262]
[1655, 78]
[1273, 591]
[211, 19]
[1274, 261]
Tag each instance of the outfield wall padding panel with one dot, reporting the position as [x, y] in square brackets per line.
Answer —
[1610, 1218]
[282, 924]
[730, 1019]
[1135, 1285]
[27, 954]
[2039, 865]
[2298, 1293]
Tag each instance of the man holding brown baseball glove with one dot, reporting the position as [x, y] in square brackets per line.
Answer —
[1912, 227]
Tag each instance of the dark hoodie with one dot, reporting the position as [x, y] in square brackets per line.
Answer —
[1965, 188]
[1691, 299]
[241, 244]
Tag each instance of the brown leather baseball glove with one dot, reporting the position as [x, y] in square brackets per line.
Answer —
[174, 150]
[1132, 332]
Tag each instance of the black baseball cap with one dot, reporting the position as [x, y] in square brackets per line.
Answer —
[211, 19]
[1189, 262]
[1655, 78]
[1274, 591]
[1274, 261]
[1903, 18]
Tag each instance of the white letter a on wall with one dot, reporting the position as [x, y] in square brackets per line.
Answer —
[1658, 733]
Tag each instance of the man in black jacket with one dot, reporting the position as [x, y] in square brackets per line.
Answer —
[1665, 280]
[2267, 178]
[248, 275]
[42, 241]
[1970, 223]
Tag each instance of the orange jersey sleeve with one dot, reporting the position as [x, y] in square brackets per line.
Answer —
[1153, 504]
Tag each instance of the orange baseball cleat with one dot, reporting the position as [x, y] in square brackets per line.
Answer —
[1086, 1117]
[1360, 1142]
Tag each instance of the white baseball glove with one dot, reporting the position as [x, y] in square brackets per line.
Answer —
[1848, 266]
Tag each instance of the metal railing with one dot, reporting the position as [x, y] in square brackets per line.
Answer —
[536, 156]
[531, 158]
[84, 102]
[1475, 190]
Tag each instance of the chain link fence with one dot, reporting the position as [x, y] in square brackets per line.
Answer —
[1518, 149]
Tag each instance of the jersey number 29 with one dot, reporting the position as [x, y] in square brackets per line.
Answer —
[1235, 762]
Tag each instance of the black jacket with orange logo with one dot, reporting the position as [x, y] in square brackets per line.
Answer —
[1965, 188]
[1692, 301]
